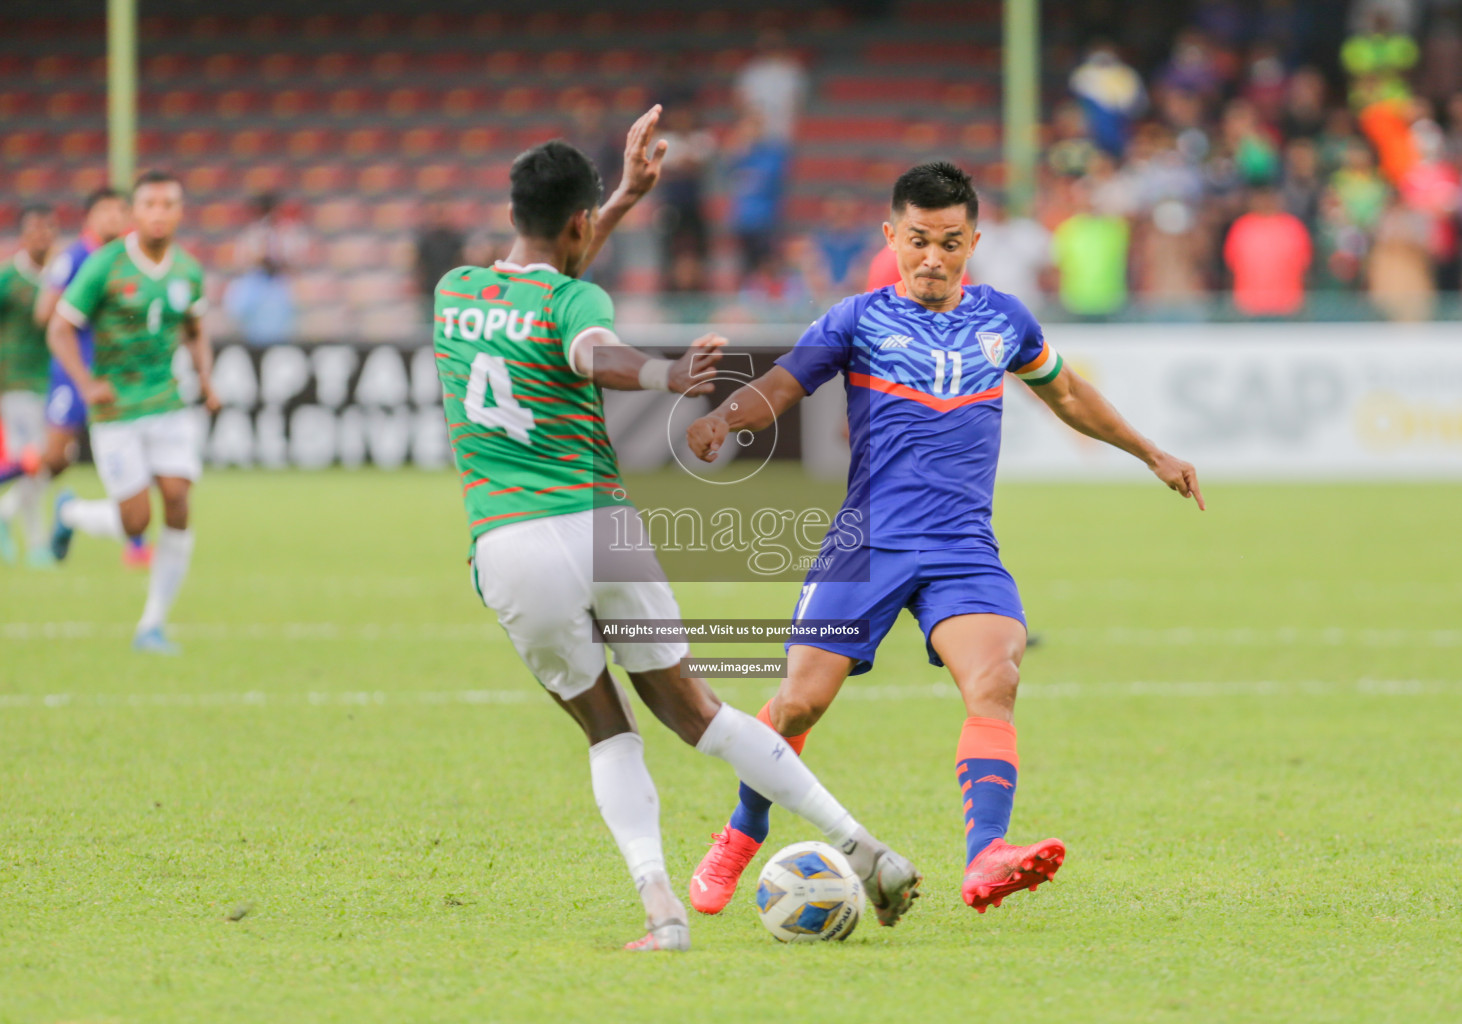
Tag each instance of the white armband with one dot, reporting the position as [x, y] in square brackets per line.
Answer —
[655, 375]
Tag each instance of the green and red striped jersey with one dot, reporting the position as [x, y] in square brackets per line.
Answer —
[25, 362]
[527, 430]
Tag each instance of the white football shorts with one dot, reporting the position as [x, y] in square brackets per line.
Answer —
[129, 454]
[24, 416]
[538, 576]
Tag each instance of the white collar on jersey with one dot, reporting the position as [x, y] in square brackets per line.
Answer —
[29, 268]
[157, 271]
[514, 268]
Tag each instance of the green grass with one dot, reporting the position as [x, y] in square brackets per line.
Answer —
[1244, 724]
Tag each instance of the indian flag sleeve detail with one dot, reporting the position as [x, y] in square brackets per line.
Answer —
[1043, 369]
[526, 430]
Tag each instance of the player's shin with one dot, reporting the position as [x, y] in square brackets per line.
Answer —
[987, 766]
[752, 816]
[765, 762]
[170, 560]
[627, 801]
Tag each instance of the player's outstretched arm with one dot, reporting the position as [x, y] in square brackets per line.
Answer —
[66, 347]
[1082, 407]
[200, 348]
[753, 406]
[599, 355]
[642, 165]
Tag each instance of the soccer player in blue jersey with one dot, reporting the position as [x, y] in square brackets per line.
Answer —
[924, 363]
[104, 219]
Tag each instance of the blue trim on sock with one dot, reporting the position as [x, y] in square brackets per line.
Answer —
[753, 815]
[990, 801]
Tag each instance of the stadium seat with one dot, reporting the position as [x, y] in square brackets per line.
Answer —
[236, 103]
[79, 146]
[252, 143]
[374, 287]
[393, 216]
[194, 144]
[206, 179]
[464, 102]
[223, 67]
[72, 104]
[875, 89]
[87, 179]
[332, 67]
[307, 143]
[56, 67]
[33, 182]
[293, 103]
[14, 104]
[434, 178]
[354, 252]
[350, 103]
[317, 288]
[277, 67]
[323, 179]
[338, 214]
[218, 217]
[268, 177]
[477, 141]
[175, 103]
[421, 142]
[380, 178]
[407, 102]
[390, 66]
[364, 143]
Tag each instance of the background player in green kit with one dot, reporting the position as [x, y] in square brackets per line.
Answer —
[523, 348]
[142, 296]
[25, 377]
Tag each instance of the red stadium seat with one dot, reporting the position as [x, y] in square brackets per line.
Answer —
[78, 146]
[276, 67]
[871, 89]
[165, 67]
[631, 99]
[195, 144]
[317, 288]
[207, 179]
[56, 67]
[490, 177]
[851, 129]
[87, 179]
[293, 103]
[420, 142]
[477, 141]
[333, 216]
[438, 178]
[362, 143]
[307, 143]
[355, 252]
[252, 143]
[236, 103]
[348, 103]
[519, 100]
[222, 67]
[393, 216]
[14, 104]
[407, 102]
[465, 102]
[389, 66]
[270, 177]
[331, 67]
[323, 179]
[377, 179]
[34, 181]
[177, 103]
[558, 63]
[71, 104]
[151, 143]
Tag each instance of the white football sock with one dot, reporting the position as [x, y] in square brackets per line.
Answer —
[32, 490]
[170, 560]
[764, 762]
[10, 501]
[100, 518]
[628, 803]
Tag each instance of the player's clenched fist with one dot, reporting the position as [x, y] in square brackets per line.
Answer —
[693, 373]
[706, 435]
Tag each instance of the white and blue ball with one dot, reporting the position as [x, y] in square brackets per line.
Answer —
[809, 892]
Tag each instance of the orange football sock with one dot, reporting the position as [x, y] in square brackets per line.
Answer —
[987, 767]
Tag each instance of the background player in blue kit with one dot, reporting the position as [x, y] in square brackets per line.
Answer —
[105, 219]
[923, 363]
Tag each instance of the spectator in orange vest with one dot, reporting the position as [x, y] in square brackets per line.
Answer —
[1268, 252]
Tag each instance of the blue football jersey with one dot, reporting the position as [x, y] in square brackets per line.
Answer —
[924, 402]
[60, 272]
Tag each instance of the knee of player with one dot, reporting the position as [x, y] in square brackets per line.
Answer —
[998, 680]
[175, 512]
[792, 715]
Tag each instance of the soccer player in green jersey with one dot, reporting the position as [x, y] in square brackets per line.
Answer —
[25, 377]
[523, 348]
[142, 296]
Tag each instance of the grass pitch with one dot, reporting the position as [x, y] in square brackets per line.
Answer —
[348, 802]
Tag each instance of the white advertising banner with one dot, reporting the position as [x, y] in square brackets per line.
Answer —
[1256, 401]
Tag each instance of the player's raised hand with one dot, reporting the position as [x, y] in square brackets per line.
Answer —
[211, 401]
[705, 437]
[693, 373]
[1179, 475]
[98, 392]
[642, 163]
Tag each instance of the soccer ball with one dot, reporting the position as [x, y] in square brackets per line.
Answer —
[809, 892]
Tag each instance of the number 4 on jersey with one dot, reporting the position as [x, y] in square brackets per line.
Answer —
[490, 373]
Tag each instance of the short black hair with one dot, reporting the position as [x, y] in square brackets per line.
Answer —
[34, 210]
[156, 177]
[935, 186]
[99, 195]
[549, 184]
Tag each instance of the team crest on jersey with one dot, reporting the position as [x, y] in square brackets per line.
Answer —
[896, 341]
[993, 345]
[178, 295]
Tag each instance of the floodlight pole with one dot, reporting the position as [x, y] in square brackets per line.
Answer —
[1022, 97]
[122, 92]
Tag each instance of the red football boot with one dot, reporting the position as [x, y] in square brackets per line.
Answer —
[1001, 869]
[714, 881]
